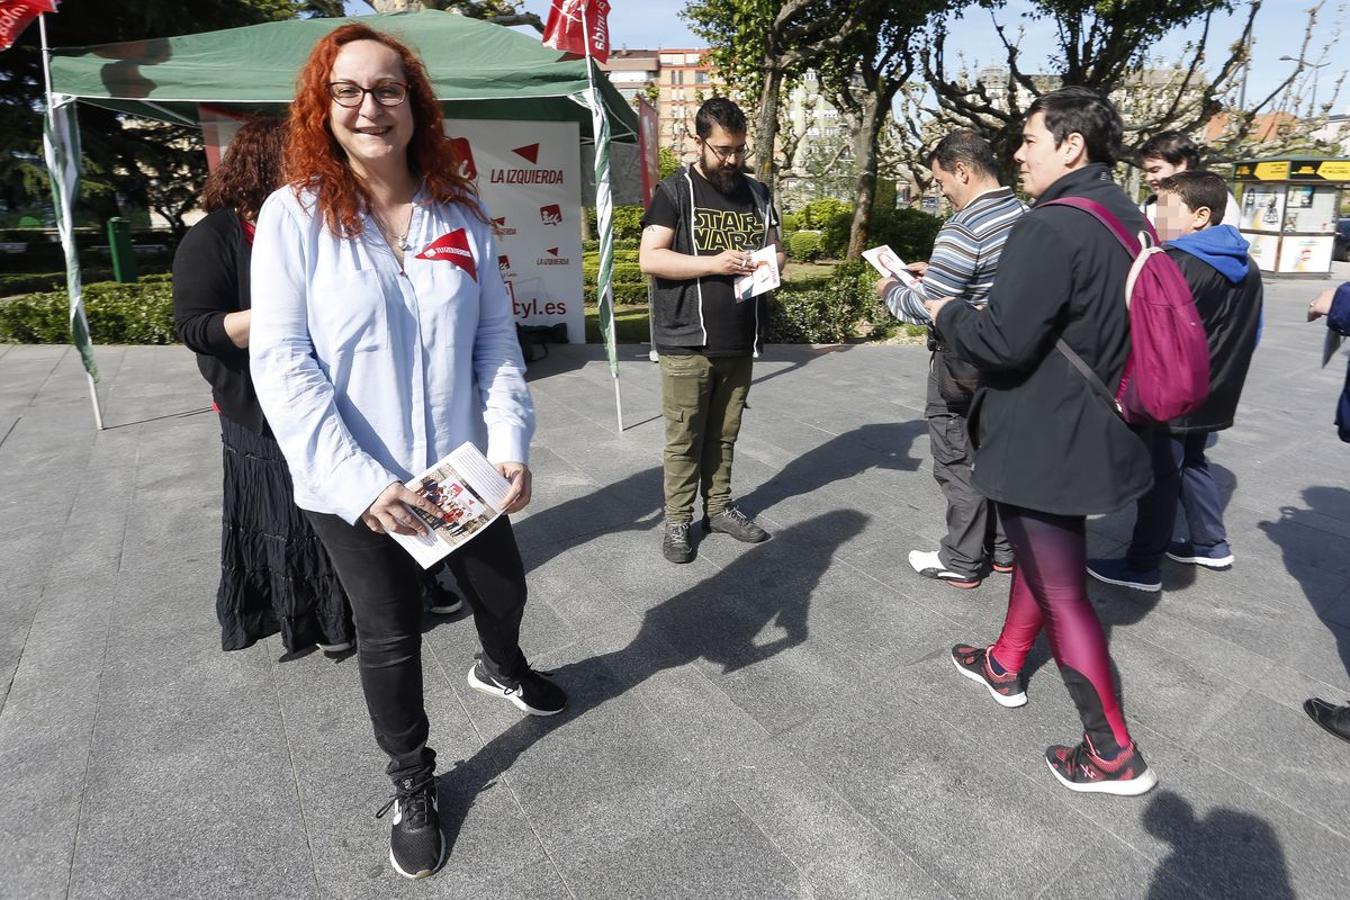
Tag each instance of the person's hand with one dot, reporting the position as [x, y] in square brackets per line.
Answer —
[389, 512]
[519, 496]
[917, 269]
[935, 306]
[730, 262]
[1321, 304]
[883, 287]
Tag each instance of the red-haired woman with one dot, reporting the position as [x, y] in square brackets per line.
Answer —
[274, 573]
[383, 339]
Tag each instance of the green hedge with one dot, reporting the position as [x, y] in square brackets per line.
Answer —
[627, 222]
[804, 245]
[820, 311]
[829, 310]
[138, 313]
[625, 292]
[594, 246]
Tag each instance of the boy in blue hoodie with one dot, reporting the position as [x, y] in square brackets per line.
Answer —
[1227, 290]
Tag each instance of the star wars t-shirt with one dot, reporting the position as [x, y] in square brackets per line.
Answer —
[730, 221]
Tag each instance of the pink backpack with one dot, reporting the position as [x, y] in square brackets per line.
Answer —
[1167, 372]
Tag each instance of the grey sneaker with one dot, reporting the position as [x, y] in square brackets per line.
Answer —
[737, 524]
[675, 546]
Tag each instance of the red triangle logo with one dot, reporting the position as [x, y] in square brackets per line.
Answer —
[452, 247]
[552, 251]
[499, 222]
[530, 152]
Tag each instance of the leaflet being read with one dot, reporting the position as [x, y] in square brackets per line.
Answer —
[764, 277]
[884, 260]
[469, 492]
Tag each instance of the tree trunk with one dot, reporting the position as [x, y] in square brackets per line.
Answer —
[866, 133]
[766, 127]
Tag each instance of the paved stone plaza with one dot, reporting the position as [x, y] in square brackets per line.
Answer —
[778, 720]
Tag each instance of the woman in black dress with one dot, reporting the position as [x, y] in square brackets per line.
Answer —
[274, 572]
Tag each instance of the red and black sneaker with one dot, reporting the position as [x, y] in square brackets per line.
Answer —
[1081, 769]
[973, 662]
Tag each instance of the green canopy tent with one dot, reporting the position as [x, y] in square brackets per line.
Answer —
[478, 71]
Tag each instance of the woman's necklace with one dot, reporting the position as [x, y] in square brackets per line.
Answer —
[399, 241]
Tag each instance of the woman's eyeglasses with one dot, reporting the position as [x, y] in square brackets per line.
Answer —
[352, 95]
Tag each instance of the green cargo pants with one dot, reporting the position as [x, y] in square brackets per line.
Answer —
[702, 400]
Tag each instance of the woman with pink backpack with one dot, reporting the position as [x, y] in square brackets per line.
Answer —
[1051, 450]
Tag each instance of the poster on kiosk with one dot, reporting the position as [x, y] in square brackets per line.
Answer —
[529, 176]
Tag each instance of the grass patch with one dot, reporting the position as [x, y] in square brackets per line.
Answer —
[630, 324]
[807, 271]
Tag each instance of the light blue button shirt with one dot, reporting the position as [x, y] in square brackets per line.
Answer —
[369, 374]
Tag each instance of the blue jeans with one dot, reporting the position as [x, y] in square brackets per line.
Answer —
[1180, 471]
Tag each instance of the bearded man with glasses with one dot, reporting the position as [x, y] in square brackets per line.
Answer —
[703, 224]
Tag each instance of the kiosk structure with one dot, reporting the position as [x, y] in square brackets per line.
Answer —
[1289, 210]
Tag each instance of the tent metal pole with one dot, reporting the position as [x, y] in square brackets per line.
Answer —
[68, 233]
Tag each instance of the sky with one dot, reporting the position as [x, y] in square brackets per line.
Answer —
[651, 24]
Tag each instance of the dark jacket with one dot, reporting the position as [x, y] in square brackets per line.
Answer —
[1338, 320]
[1046, 440]
[211, 280]
[677, 306]
[1229, 303]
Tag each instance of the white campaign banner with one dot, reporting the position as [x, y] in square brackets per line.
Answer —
[529, 176]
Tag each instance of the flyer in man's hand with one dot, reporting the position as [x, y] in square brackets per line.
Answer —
[884, 260]
[468, 490]
[765, 276]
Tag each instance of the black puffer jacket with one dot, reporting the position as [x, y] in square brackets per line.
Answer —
[1046, 440]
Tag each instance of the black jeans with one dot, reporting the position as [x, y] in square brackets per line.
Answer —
[384, 585]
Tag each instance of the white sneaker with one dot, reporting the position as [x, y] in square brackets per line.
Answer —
[927, 564]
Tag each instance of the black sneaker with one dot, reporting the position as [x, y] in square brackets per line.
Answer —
[1081, 769]
[676, 546]
[534, 692]
[737, 524]
[416, 845]
[973, 662]
[437, 598]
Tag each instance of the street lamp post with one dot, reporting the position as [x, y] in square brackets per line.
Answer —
[1316, 67]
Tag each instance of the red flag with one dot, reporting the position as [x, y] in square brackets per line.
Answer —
[16, 15]
[564, 32]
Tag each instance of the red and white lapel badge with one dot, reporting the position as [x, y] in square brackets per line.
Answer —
[452, 247]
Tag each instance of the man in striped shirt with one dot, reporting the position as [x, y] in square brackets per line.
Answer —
[962, 266]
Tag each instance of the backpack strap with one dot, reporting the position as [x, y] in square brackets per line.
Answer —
[1098, 386]
[1133, 247]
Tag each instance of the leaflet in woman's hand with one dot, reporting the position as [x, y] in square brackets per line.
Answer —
[470, 493]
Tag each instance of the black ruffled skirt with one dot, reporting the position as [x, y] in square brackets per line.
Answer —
[275, 575]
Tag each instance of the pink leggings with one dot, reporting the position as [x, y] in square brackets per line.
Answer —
[1049, 589]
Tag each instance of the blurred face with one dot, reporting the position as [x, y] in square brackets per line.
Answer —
[1156, 169]
[721, 156]
[374, 134]
[1039, 162]
[1175, 218]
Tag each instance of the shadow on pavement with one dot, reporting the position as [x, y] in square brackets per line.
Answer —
[1311, 555]
[1228, 853]
[635, 503]
[718, 620]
